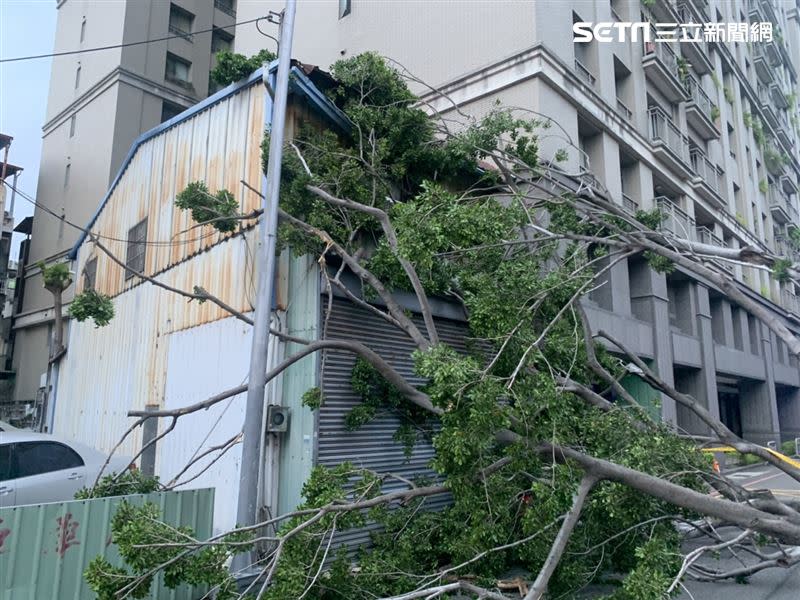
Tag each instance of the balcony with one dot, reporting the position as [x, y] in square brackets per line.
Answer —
[774, 160]
[629, 205]
[226, 6]
[661, 69]
[767, 107]
[700, 110]
[175, 30]
[779, 205]
[668, 142]
[756, 14]
[788, 184]
[707, 177]
[704, 235]
[778, 97]
[773, 53]
[790, 302]
[584, 73]
[674, 220]
[761, 64]
[695, 52]
[623, 110]
[782, 246]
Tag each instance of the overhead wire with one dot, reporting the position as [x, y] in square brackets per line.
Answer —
[55, 215]
[138, 43]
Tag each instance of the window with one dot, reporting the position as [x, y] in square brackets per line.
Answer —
[35, 458]
[137, 238]
[90, 274]
[66, 174]
[220, 41]
[177, 70]
[83, 29]
[226, 6]
[344, 8]
[5, 462]
[77, 77]
[180, 22]
[169, 110]
[72, 126]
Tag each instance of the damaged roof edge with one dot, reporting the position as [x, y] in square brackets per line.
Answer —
[300, 83]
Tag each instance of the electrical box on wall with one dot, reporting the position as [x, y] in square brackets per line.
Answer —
[277, 418]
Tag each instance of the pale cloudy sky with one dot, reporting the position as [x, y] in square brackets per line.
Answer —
[26, 27]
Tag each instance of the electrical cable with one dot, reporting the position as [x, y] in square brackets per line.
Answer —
[101, 236]
[139, 43]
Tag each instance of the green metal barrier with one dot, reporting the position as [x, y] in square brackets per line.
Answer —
[45, 548]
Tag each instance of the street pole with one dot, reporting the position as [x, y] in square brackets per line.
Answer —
[254, 414]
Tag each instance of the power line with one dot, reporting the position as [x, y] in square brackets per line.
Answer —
[109, 238]
[139, 43]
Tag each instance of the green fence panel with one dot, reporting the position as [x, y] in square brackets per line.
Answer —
[45, 548]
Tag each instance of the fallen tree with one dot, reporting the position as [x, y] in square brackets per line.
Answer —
[552, 466]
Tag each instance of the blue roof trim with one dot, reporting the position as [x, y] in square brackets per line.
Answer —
[300, 82]
[303, 84]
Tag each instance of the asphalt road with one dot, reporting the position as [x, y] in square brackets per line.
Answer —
[772, 584]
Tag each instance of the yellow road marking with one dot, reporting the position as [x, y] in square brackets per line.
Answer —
[776, 454]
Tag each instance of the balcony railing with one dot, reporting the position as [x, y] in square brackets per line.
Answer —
[704, 235]
[662, 129]
[226, 7]
[698, 95]
[629, 204]
[674, 220]
[790, 301]
[705, 169]
[175, 30]
[624, 110]
[664, 52]
[584, 73]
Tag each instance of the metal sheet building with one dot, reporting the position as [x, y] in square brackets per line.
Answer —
[162, 351]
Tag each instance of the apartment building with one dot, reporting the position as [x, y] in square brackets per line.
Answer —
[99, 103]
[9, 174]
[708, 132]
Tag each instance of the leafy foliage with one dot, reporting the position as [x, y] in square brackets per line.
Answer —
[218, 210]
[55, 276]
[127, 482]
[232, 67]
[91, 304]
[139, 535]
[781, 269]
[461, 233]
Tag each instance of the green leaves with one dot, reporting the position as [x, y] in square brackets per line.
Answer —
[91, 304]
[232, 67]
[128, 482]
[218, 210]
[56, 276]
[145, 542]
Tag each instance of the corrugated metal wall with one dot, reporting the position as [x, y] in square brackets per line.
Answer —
[45, 548]
[123, 366]
[372, 446]
[221, 146]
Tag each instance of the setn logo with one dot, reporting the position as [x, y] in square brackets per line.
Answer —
[610, 31]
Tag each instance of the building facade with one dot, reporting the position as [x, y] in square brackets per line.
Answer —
[99, 103]
[709, 132]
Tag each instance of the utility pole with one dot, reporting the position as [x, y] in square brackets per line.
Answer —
[265, 259]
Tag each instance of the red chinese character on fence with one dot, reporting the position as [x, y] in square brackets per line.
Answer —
[4, 533]
[66, 534]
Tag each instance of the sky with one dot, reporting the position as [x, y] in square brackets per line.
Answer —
[26, 27]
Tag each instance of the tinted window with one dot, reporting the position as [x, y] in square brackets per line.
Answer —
[34, 458]
[5, 462]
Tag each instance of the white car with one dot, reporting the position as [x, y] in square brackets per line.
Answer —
[39, 467]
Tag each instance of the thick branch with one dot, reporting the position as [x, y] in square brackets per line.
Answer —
[391, 238]
[539, 586]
